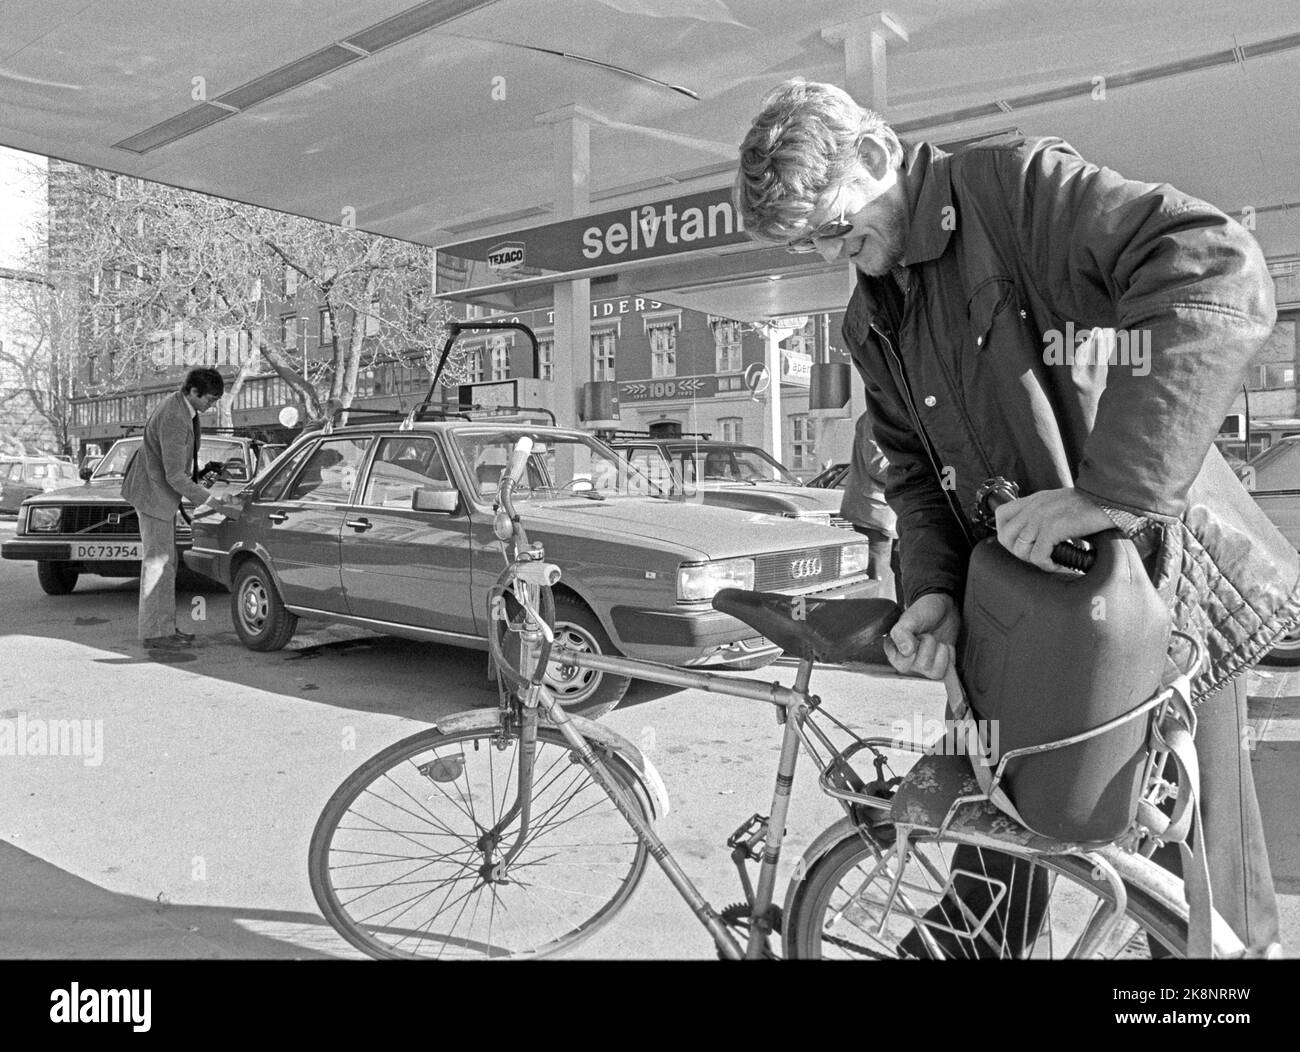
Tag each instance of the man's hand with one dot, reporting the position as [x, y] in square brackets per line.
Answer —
[923, 641]
[1030, 527]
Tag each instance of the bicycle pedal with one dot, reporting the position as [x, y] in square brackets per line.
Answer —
[750, 837]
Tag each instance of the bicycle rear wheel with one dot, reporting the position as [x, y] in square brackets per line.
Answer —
[976, 902]
[401, 867]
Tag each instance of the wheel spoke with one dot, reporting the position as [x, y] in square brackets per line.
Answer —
[428, 889]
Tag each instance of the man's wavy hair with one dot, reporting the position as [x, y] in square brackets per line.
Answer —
[803, 142]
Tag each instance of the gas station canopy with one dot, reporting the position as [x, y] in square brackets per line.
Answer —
[437, 122]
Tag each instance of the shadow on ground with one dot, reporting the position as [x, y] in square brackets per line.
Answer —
[47, 912]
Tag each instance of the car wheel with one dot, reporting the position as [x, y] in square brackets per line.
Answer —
[260, 618]
[1285, 652]
[56, 578]
[583, 692]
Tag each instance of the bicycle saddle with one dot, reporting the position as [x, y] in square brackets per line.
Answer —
[832, 631]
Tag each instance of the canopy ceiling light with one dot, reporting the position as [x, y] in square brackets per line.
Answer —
[361, 45]
[1230, 56]
[400, 27]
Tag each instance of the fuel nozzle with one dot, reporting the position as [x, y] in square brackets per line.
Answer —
[991, 495]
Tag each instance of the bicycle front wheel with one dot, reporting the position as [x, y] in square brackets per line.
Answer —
[956, 899]
[402, 861]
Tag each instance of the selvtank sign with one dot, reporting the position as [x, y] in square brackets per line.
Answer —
[618, 239]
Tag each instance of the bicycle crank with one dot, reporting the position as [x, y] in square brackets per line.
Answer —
[737, 919]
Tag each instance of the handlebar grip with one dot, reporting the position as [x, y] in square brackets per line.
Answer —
[998, 491]
[519, 458]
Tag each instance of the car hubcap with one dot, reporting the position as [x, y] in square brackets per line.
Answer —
[253, 605]
[1290, 641]
[573, 685]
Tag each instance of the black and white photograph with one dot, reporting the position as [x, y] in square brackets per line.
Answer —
[664, 482]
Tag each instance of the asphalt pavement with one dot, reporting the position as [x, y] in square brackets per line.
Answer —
[181, 830]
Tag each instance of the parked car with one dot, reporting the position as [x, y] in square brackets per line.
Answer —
[388, 526]
[91, 529]
[833, 476]
[730, 475]
[22, 477]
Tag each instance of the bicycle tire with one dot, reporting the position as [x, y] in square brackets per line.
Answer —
[580, 885]
[1149, 914]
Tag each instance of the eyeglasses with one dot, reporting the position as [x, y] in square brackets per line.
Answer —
[828, 231]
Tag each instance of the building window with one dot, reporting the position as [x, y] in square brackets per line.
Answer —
[290, 281]
[326, 326]
[602, 354]
[372, 318]
[289, 332]
[474, 366]
[663, 350]
[802, 453]
[728, 346]
[499, 347]
[733, 429]
[546, 359]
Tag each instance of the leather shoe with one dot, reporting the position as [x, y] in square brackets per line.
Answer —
[166, 643]
[187, 637]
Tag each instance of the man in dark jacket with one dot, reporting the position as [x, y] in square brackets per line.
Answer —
[164, 470]
[978, 273]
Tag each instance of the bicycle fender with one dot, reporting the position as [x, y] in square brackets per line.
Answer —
[822, 843]
[596, 733]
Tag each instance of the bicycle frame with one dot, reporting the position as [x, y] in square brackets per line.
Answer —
[526, 573]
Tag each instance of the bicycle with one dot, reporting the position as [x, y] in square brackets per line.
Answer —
[520, 830]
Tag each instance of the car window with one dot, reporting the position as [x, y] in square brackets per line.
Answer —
[720, 466]
[560, 467]
[655, 466]
[266, 455]
[279, 481]
[114, 464]
[1277, 468]
[331, 472]
[401, 466]
[222, 450]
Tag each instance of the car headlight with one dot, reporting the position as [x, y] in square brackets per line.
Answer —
[705, 580]
[45, 519]
[821, 518]
[854, 559]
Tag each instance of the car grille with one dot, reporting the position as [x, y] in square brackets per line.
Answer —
[93, 519]
[797, 569]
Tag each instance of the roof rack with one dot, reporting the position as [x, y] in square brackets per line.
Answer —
[455, 328]
[445, 410]
[616, 435]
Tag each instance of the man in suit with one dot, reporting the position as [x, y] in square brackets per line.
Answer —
[164, 470]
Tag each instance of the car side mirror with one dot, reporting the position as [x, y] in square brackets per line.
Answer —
[445, 501]
[234, 470]
[85, 474]
[1247, 475]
